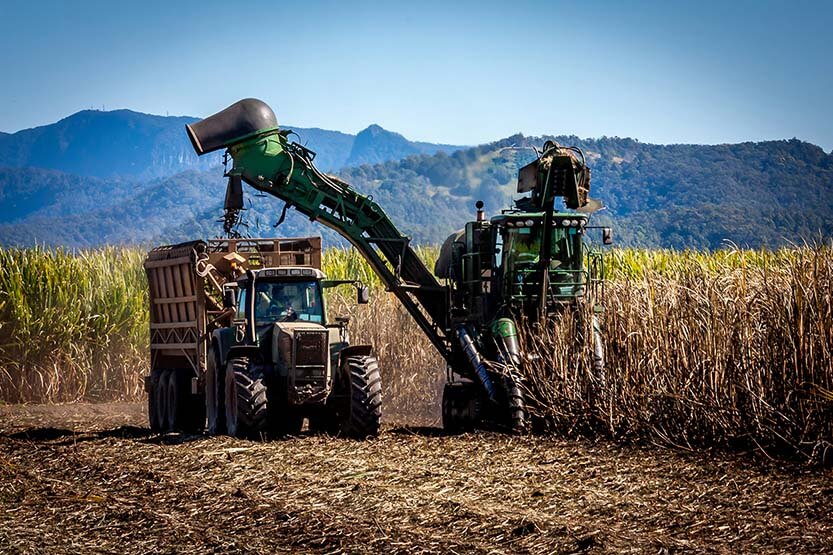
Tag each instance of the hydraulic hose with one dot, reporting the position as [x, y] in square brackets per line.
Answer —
[476, 360]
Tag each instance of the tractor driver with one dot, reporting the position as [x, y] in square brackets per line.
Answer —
[276, 301]
[527, 248]
[289, 301]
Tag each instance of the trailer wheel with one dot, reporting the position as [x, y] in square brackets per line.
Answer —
[364, 412]
[160, 395]
[246, 405]
[214, 395]
[172, 401]
[187, 410]
[154, 409]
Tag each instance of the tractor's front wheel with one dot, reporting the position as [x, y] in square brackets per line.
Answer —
[245, 395]
[363, 411]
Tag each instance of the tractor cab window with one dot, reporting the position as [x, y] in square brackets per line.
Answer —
[288, 302]
[241, 304]
[522, 246]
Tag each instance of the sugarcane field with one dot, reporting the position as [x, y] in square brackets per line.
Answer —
[233, 334]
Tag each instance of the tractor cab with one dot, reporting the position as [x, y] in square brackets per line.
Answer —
[282, 295]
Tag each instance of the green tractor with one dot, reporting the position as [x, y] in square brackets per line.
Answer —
[530, 262]
[284, 362]
[240, 334]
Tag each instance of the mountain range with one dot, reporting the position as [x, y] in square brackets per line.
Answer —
[125, 143]
[129, 178]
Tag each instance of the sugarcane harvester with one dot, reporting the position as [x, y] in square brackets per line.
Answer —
[471, 318]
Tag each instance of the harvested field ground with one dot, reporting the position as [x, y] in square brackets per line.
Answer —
[91, 478]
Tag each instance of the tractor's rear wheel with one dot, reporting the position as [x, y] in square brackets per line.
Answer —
[246, 402]
[364, 403]
[215, 407]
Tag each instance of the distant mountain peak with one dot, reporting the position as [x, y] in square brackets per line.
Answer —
[376, 145]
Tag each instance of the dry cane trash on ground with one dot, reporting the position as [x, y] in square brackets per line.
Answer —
[81, 478]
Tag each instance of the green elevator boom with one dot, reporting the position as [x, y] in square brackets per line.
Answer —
[264, 158]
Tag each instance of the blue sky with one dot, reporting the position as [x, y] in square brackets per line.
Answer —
[461, 73]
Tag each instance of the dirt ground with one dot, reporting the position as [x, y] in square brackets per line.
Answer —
[92, 478]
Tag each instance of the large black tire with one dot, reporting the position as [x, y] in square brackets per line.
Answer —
[215, 404]
[154, 410]
[190, 416]
[173, 403]
[160, 395]
[246, 401]
[461, 406]
[177, 409]
[364, 411]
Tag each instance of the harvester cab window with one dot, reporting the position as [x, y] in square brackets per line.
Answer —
[562, 249]
[522, 251]
[288, 302]
[526, 245]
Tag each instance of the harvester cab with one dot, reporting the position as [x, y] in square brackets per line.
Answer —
[530, 260]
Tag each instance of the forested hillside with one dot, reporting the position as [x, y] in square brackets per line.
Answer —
[682, 196]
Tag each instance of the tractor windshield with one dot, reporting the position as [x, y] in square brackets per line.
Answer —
[288, 302]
